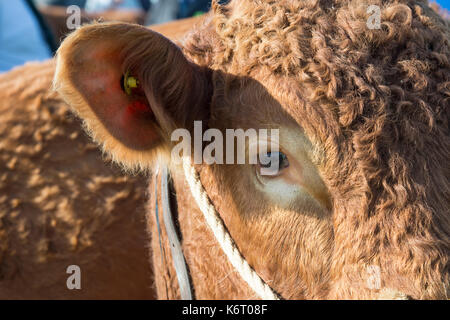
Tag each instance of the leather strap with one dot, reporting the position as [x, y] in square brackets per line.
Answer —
[174, 242]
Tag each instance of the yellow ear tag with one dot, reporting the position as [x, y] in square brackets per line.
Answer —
[129, 82]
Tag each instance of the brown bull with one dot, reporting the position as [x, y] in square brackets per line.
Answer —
[363, 187]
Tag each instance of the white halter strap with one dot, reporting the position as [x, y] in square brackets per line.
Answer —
[222, 236]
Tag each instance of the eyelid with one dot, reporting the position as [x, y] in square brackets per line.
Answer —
[269, 145]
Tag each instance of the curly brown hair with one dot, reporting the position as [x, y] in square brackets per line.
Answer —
[385, 96]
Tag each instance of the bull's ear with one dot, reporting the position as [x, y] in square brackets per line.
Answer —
[132, 87]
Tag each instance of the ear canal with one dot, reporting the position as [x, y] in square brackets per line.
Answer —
[132, 87]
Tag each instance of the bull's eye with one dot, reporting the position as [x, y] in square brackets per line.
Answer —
[272, 163]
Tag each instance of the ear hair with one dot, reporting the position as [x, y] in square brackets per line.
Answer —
[168, 78]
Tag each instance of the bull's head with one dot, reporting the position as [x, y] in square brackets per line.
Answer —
[360, 202]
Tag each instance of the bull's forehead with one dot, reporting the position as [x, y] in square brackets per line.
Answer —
[326, 51]
[323, 70]
[272, 58]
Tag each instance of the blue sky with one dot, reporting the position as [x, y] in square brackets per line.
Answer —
[444, 3]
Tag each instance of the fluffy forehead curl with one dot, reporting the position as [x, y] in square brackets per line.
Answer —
[327, 47]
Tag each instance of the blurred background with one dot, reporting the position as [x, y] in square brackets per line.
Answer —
[31, 30]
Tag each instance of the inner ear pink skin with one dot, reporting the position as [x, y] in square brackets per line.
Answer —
[137, 106]
[128, 118]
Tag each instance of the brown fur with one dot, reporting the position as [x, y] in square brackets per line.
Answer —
[60, 204]
[377, 116]
[370, 111]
